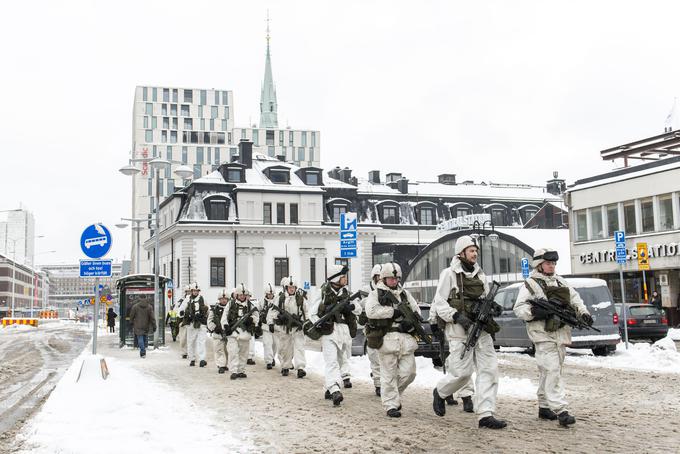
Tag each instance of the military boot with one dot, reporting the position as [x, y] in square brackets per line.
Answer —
[327, 395]
[347, 383]
[192, 363]
[546, 413]
[468, 407]
[284, 372]
[273, 363]
[337, 398]
[566, 419]
[301, 373]
[492, 423]
[242, 375]
[269, 366]
[377, 391]
[234, 376]
[203, 363]
[438, 404]
[184, 356]
[221, 370]
[450, 400]
[393, 413]
[250, 362]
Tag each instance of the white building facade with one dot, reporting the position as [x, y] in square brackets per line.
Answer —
[17, 235]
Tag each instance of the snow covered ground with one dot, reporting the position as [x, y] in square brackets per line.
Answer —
[129, 412]
[659, 357]
[674, 333]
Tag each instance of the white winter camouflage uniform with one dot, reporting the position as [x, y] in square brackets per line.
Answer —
[482, 357]
[336, 347]
[550, 346]
[291, 345]
[270, 342]
[218, 343]
[396, 355]
[239, 340]
[372, 353]
[181, 307]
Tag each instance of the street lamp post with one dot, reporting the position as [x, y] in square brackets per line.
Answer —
[481, 231]
[183, 172]
[137, 228]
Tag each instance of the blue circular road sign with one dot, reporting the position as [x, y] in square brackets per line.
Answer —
[95, 241]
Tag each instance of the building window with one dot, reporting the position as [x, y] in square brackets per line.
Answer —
[185, 110]
[164, 136]
[337, 211]
[146, 122]
[234, 175]
[184, 155]
[267, 213]
[427, 216]
[612, 219]
[290, 138]
[280, 269]
[189, 123]
[149, 108]
[629, 218]
[666, 212]
[279, 176]
[217, 272]
[171, 186]
[301, 154]
[213, 112]
[280, 213]
[596, 230]
[581, 225]
[293, 213]
[166, 122]
[197, 171]
[217, 155]
[188, 96]
[498, 216]
[148, 135]
[647, 212]
[225, 98]
[154, 122]
[256, 138]
[164, 109]
[174, 95]
[312, 178]
[145, 94]
[166, 95]
[312, 271]
[463, 211]
[168, 156]
[174, 123]
[303, 137]
[154, 96]
[173, 110]
[204, 97]
[173, 136]
[529, 213]
[389, 215]
[212, 125]
[313, 139]
[218, 210]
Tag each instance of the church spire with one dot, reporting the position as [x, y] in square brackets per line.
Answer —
[268, 106]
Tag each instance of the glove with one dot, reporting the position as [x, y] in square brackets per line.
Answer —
[271, 328]
[462, 320]
[539, 313]
[249, 322]
[181, 313]
[281, 319]
[397, 313]
[586, 318]
[349, 308]
[226, 330]
[497, 310]
[405, 326]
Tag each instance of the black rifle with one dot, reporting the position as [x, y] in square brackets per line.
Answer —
[482, 316]
[290, 318]
[411, 317]
[312, 330]
[241, 321]
[441, 338]
[561, 312]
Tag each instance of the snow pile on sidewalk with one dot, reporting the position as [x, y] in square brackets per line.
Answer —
[426, 375]
[674, 333]
[660, 357]
[134, 412]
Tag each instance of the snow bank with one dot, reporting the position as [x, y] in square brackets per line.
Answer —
[135, 412]
[639, 356]
[674, 333]
[426, 375]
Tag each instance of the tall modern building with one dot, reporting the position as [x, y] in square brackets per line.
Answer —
[195, 126]
[17, 235]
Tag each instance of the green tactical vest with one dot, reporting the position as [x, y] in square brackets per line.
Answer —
[217, 310]
[470, 289]
[377, 328]
[328, 299]
[561, 294]
[236, 311]
[299, 301]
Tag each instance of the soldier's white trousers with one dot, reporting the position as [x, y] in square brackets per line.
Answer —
[196, 338]
[220, 349]
[459, 371]
[238, 354]
[397, 367]
[183, 339]
[335, 350]
[251, 348]
[374, 360]
[549, 359]
[292, 349]
[270, 343]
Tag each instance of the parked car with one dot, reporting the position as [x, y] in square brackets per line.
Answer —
[644, 321]
[597, 299]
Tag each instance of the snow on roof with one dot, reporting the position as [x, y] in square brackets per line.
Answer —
[625, 176]
[213, 177]
[491, 190]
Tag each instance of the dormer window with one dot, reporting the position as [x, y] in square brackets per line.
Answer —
[234, 175]
[426, 216]
[312, 179]
[389, 215]
[311, 176]
[217, 207]
[278, 174]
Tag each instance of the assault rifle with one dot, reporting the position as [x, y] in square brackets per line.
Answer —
[312, 330]
[482, 315]
[241, 321]
[290, 318]
[411, 317]
[565, 314]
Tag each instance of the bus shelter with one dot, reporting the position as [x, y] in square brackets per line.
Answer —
[134, 289]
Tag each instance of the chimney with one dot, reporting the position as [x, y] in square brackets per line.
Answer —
[374, 176]
[556, 186]
[402, 185]
[393, 176]
[245, 152]
[235, 158]
[447, 178]
[335, 173]
[346, 174]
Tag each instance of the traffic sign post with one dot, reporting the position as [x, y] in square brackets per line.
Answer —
[95, 242]
[643, 265]
[348, 235]
[620, 240]
[525, 267]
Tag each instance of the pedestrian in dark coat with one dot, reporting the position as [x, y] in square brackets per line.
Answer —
[656, 300]
[143, 322]
[111, 320]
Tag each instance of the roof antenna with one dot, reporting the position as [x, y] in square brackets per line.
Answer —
[670, 119]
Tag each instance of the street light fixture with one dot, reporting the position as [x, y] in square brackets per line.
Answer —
[480, 231]
[182, 171]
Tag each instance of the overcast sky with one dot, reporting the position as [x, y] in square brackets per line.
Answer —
[503, 91]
